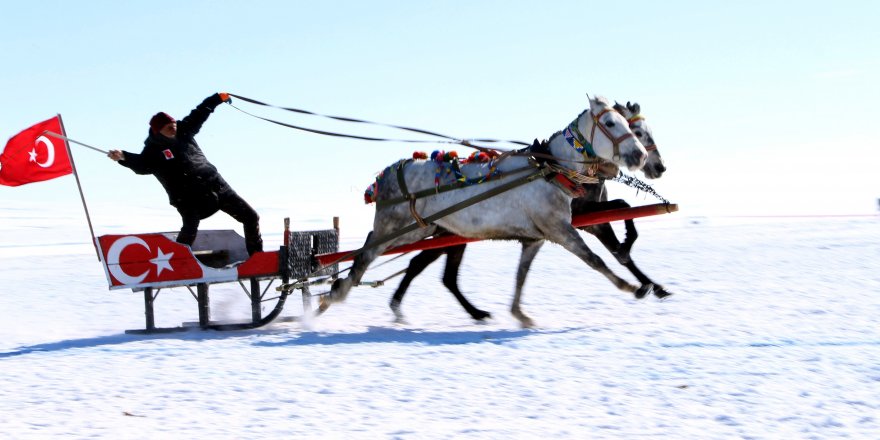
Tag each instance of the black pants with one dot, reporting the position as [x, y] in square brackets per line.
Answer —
[229, 202]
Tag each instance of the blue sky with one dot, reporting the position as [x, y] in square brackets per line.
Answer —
[757, 106]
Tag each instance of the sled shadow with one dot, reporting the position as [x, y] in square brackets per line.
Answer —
[104, 341]
[68, 344]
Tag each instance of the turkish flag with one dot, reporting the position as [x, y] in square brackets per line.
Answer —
[34, 155]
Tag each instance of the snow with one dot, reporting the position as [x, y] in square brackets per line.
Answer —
[773, 332]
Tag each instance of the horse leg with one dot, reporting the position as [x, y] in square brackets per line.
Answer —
[416, 266]
[659, 290]
[606, 235]
[340, 288]
[621, 251]
[529, 251]
[454, 255]
[568, 238]
[629, 239]
[604, 231]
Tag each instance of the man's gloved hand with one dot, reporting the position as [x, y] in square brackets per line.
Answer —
[225, 97]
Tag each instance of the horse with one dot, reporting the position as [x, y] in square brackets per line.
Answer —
[597, 199]
[594, 200]
[524, 205]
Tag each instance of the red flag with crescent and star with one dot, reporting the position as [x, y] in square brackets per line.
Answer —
[34, 155]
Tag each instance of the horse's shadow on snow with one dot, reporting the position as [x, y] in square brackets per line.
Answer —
[299, 338]
[402, 336]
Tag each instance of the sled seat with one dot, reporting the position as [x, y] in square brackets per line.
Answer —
[217, 248]
[216, 258]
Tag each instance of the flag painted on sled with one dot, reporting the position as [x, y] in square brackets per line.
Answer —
[34, 156]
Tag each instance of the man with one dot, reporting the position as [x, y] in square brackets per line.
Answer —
[194, 186]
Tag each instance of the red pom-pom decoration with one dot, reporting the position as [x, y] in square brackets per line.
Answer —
[420, 155]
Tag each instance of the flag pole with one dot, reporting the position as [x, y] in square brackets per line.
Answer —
[61, 136]
[78, 184]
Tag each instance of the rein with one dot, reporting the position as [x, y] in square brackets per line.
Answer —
[448, 139]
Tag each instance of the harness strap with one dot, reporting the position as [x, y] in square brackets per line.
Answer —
[430, 191]
[415, 213]
[615, 142]
[632, 124]
[537, 174]
[401, 182]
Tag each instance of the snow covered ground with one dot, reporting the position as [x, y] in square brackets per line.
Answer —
[773, 332]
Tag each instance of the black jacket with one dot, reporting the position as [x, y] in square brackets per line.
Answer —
[179, 164]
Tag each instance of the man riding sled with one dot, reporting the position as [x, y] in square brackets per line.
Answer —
[193, 184]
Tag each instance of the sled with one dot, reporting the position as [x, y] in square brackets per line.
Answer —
[150, 262]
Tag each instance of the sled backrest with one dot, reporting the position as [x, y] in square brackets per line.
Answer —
[302, 248]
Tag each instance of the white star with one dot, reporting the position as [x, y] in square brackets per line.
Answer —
[162, 261]
[33, 155]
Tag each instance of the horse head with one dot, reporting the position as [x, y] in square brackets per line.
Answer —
[654, 166]
[610, 135]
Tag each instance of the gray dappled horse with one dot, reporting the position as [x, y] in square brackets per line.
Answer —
[595, 199]
[531, 213]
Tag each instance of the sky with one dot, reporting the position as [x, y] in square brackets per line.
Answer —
[758, 107]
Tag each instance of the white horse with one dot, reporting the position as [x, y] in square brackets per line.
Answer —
[595, 198]
[530, 213]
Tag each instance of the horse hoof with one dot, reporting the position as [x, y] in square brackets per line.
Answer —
[322, 307]
[523, 319]
[661, 292]
[398, 315]
[644, 291]
[480, 315]
[338, 291]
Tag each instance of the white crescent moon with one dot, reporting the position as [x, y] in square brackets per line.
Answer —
[50, 151]
[113, 260]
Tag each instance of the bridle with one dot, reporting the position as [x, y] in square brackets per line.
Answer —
[615, 141]
[632, 125]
